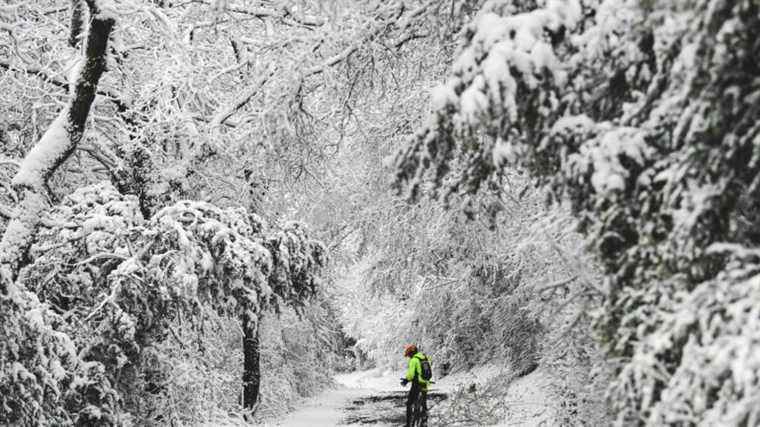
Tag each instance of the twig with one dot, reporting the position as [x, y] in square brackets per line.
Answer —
[249, 93]
[110, 298]
[8, 161]
[7, 212]
[181, 343]
[557, 284]
[120, 105]
[100, 256]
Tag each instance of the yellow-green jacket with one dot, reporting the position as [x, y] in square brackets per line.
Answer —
[414, 372]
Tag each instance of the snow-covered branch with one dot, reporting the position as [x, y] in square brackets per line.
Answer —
[397, 17]
[243, 99]
[36, 72]
[56, 145]
[49, 78]
[9, 162]
[284, 14]
[6, 212]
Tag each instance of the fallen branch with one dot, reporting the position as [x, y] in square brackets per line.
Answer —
[557, 284]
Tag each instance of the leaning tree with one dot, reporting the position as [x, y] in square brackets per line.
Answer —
[90, 285]
[644, 114]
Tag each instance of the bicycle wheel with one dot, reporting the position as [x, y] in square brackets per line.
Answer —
[418, 418]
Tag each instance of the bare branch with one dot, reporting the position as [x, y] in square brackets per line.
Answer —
[557, 284]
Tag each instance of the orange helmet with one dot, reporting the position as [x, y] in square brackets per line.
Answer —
[410, 350]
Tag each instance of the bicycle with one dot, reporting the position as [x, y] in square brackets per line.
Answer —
[419, 410]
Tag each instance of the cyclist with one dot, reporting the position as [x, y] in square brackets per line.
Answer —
[418, 393]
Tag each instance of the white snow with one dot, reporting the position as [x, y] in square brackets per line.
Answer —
[44, 154]
[578, 122]
[505, 43]
[326, 409]
[603, 155]
[442, 96]
[73, 70]
[473, 102]
[504, 153]
[528, 400]
[373, 379]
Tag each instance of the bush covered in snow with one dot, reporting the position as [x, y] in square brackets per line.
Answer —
[113, 287]
[644, 115]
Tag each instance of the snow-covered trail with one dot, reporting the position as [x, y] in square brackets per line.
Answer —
[360, 398]
[374, 398]
[327, 409]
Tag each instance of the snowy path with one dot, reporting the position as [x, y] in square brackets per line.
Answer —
[372, 398]
[362, 398]
[325, 410]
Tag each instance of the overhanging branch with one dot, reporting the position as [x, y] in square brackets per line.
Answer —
[243, 99]
[121, 106]
[55, 146]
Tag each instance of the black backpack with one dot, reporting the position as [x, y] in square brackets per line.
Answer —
[426, 370]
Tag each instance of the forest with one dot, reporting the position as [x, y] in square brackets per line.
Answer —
[239, 212]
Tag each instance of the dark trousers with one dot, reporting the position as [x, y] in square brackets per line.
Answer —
[416, 393]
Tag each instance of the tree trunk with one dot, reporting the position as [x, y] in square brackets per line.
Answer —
[55, 146]
[251, 366]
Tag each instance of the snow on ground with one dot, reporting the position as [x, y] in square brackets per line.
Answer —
[328, 408]
[478, 375]
[528, 399]
[373, 379]
[325, 409]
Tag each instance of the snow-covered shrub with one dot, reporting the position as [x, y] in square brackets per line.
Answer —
[118, 285]
[43, 381]
[203, 368]
[295, 355]
[475, 404]
[644, 116]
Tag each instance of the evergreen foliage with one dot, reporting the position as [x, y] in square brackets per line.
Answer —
[644, 116]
